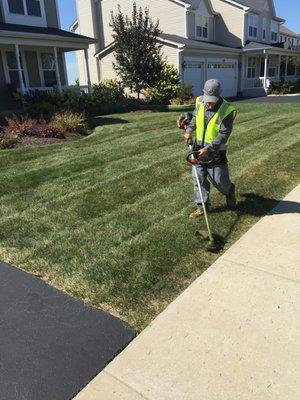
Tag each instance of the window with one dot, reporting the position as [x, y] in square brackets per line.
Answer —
[12, 67]
[48, 69]
[25, 7]
[253, 24]
[264, 33]
[273, 67]
[34, 8]
[202, 27]
[16, 6]
[251, 70]
[274, 31]
[291, 66]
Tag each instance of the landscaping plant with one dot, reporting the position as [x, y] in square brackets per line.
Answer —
[68, 121]
[138, 55]
[166, 88]
[50, 131]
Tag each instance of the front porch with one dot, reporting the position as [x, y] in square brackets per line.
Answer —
[30, 63]
[263, 66]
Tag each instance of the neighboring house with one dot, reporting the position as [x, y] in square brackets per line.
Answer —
[32, 48]
[236, 42]
[289, 38]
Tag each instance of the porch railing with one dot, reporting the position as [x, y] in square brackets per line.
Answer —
[83, 88]
[257, 83]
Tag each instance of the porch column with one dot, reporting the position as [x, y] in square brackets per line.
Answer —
[88, 74]
[57, 72]
[22, 85]
[265, 70]
[279, 67]
[286, 68]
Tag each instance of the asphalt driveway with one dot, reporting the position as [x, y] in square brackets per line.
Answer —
[273, 99]
[51, 345]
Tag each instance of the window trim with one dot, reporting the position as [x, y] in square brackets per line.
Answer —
[25, 19]
[40, 64]
[277, 32]
[252, 67]
[200, 21]
[6, 69]
[253, 26]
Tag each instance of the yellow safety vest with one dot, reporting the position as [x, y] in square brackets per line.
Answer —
[212, 130]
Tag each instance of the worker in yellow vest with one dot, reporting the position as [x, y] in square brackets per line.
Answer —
[212, 120]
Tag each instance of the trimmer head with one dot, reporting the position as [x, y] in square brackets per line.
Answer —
[213, 246]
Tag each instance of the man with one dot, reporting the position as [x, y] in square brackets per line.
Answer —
[213, 120]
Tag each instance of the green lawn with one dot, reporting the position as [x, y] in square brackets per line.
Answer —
[105, 218]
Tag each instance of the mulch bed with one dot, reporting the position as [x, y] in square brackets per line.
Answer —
[33, 141]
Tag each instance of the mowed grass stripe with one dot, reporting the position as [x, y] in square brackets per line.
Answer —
[116, 234]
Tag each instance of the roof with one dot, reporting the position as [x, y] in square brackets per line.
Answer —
[278, 47]
[286, 31]
[182, 44]
[247, 6]
[42, 31]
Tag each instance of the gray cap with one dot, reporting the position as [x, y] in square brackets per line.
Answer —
[212, 91]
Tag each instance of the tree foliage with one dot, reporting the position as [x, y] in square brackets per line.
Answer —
[138, 55]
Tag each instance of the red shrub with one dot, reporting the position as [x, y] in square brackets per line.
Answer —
[19, 126]
[50, 131]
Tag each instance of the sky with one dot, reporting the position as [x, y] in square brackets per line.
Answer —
[287, 9]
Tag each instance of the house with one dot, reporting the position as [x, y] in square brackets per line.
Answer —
[236, 42]
[33, 47]
[289, 38]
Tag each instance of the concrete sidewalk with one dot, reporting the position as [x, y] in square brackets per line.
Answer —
[234, 334]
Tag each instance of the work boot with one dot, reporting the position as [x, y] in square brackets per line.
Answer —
[199, 212]
[196, 214]
[231, 201]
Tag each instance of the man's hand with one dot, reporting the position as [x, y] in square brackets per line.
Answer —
[203, 153]
[187, 136]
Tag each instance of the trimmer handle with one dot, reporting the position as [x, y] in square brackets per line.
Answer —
[190, 143]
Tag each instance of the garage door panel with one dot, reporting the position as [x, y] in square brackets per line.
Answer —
[226, 73]
[194, 76]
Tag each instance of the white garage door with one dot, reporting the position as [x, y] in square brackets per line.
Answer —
[226, 73]
[194, 76]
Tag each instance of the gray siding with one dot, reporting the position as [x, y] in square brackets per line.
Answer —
[171, 16]
[106, 64]
[51, 13]
[229, 24]
[191, 21]
[32, 68]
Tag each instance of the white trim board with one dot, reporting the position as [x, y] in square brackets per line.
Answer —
[24, 19]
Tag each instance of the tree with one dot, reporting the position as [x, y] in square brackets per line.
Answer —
[138, 55]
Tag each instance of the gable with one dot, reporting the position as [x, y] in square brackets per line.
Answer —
[260, 5]
[204, 7]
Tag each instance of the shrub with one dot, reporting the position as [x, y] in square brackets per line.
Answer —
[109, 91]
[69, 121]
[8, 140]
[166, 89]
[42, 111]
[284, 87]
[70, 99]
[50, 131]
[16, 126]
[185, 96]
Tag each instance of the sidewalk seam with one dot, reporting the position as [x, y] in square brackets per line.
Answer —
[126, 384]
[261, 270]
